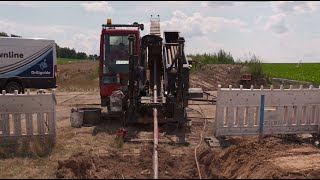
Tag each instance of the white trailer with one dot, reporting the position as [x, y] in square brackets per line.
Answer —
[27, 63]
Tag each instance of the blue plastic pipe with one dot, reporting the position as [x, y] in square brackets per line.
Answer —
[261, 113]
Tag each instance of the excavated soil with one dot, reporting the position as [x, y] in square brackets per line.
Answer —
[273, 158]
[117, 165]
[210, 76]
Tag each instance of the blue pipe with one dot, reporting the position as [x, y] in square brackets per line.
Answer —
[261, 113]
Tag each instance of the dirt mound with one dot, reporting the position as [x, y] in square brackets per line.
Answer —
[115, 165]
[76, 166]
[210, 76]
[250, 159]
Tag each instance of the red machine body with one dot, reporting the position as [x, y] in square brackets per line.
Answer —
[114, 67]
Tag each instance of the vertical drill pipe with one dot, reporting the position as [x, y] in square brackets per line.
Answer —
[155, 124]
[155, 145]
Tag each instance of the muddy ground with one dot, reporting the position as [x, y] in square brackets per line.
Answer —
[96, 151]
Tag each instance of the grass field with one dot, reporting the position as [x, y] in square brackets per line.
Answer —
[74, 75]
[66, 60]
[304, 72]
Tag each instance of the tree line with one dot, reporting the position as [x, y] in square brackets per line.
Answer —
[64, 52]
[3, 34]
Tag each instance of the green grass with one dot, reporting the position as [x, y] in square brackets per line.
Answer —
[309, 72]
[67, 60]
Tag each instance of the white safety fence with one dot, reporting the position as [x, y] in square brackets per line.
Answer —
[27, 115]
[286, 111]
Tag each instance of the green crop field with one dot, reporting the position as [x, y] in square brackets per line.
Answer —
[304, 71]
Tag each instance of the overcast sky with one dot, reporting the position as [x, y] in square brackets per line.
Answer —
[274, 31]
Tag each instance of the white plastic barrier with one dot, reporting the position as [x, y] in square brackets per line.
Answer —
[286, 111]
[26, 115]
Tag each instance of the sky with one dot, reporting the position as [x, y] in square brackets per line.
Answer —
[274, 31]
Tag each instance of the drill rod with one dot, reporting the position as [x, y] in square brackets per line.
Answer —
[155, 125]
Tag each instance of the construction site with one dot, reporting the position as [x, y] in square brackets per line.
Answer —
[145, 115]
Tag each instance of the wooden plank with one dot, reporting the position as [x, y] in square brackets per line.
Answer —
[17, 124]
[29, 124]
[40, 123]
